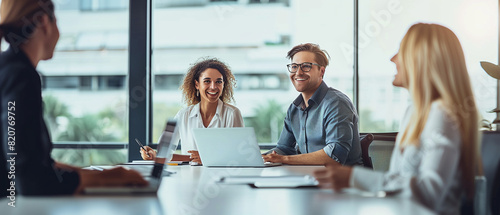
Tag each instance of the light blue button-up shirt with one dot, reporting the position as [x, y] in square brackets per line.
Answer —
[330, 122]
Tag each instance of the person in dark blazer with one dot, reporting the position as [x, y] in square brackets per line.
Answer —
[30, 27]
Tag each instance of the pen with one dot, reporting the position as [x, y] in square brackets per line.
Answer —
[142, 146]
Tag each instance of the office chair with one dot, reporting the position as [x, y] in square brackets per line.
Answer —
[487, 196]
[365, 142]
[490, 153]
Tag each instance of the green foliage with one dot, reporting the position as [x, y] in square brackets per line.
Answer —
[88, 128]
[368, 124]
[114, 121]
[53, 109]
[108, 125]
[161, 113]
[267, 122]
[87, 157]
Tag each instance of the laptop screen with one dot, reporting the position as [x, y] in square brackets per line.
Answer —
[164, 148]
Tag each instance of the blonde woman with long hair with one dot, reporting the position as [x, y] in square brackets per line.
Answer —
[435, 154]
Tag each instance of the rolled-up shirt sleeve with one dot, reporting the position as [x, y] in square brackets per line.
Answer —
[339, 131]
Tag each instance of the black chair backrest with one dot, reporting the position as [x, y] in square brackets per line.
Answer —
[365, 142]
[490, 153]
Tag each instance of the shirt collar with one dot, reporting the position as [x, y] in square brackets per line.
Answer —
[317, 97]
[196, 109]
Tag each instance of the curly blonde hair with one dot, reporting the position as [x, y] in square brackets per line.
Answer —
[188, 87]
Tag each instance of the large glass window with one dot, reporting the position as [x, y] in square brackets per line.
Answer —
[84, 85]
[382, 25]
[253, 38]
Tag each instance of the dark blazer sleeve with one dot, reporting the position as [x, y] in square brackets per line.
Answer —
[35, 171]
[4, 183]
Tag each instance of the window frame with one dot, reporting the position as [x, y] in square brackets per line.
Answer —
[139, 85]
[140, 82]
[139, 76]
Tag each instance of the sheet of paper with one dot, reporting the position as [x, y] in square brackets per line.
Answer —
[143, 161]
[150, 162]
[271, 181]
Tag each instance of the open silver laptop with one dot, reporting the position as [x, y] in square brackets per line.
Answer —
[229, 147]
[158, 167]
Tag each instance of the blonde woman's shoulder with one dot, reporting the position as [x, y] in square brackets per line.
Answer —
[441, 122]
[446, 113]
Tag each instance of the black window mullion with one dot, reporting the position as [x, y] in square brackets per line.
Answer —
[355, 62]
[139, 75]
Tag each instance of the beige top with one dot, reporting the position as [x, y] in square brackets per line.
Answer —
[429, 174]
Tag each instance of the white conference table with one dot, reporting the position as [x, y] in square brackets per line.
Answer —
[193, 190]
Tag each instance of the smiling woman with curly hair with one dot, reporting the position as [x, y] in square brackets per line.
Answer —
[207, 90]
[191, 92]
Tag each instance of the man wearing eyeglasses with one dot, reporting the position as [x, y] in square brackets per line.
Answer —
[321, 125]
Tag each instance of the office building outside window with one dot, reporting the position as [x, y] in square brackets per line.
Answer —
[85, 85]
[382, 25]
[253, 38]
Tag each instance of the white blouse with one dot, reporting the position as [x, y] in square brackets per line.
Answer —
[429, 173]
[188, 118]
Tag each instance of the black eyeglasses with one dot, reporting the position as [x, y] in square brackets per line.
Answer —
[305, 67]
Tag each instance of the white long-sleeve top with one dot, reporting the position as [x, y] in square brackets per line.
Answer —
[428, 173]
[189, 118]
